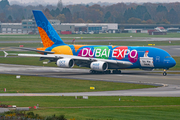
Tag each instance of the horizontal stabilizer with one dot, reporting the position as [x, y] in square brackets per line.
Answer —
[6, 54]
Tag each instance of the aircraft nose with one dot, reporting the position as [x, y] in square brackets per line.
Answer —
[172, 62]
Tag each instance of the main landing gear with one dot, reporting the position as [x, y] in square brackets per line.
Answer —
[106, 72]
[116, 71]
[164, 73]
[100, 72]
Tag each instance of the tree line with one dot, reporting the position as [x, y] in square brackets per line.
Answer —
[122, 13]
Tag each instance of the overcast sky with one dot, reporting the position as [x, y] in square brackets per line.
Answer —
[95, 1]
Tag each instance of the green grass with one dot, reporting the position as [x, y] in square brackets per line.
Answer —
[103, 107]
[132, 43]
[169, 35]
[104, 36]
[177, 66]
[117, 43]
[125, 113]
[31, 45]
[92, 101]
[19, 39]
[25, 61]
[24, 52]
[33, 84]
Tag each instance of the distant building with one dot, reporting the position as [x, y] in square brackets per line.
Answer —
[134, 31]
[28, 26]
[173, 30]
[11, 28]
[93, 27]
[146, 26]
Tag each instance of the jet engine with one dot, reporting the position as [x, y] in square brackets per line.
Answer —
[65, 63]
[99, 66]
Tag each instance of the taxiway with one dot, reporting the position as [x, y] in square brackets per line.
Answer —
[170, 83]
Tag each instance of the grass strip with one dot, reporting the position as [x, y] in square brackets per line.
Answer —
[102, 107]
[169, 35]
[34, 84]
[132, 43]
[116, 43]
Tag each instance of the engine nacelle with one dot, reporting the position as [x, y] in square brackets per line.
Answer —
[99, 66]
[65, 63]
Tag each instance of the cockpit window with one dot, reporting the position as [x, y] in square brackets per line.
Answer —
[168, 57]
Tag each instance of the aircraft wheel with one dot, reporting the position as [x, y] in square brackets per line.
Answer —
[91, 71]
[108, 72]
[114, 71]
[99, 72]
[164, 73]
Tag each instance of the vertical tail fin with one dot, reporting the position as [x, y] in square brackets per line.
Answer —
[48, 35]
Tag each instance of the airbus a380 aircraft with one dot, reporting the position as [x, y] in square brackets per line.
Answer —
[99, 58]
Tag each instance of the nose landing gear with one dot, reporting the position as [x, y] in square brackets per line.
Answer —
[164, 73]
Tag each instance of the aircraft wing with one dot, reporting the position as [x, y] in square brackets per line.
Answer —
[31, 49]
[54, 57]
[77, 58]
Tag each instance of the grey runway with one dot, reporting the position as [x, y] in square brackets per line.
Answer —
[170, 83]
[2, 110]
